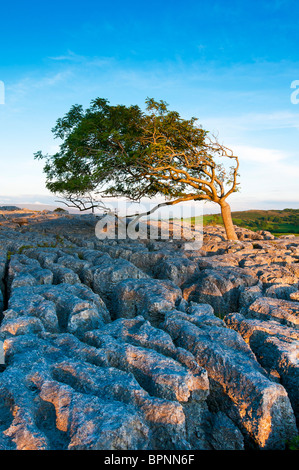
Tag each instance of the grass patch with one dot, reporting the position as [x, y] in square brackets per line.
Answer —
[278, 222]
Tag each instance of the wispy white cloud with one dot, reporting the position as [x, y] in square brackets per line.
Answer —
[69, 56]
[254, 121]
[261, 155]
[51, 80]
[267, 173]
[89, 61]
[27, 85]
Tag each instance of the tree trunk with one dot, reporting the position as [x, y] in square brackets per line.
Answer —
[227, 220]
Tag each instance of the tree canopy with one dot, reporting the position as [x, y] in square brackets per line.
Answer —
[123, 151]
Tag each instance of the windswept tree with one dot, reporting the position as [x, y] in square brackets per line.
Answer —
[122, 151]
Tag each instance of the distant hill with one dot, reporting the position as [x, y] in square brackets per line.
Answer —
[276, 221]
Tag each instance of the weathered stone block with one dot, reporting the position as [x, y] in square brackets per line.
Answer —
[146, 297]
[268, 308]
[276, 347]
[221, 288]
[260, 407]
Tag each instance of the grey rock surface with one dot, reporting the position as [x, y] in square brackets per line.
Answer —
[142, 344]
[237, 376]
[147, 297]
[283, 311]
[276, 347]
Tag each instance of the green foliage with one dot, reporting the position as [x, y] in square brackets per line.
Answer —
[59, 241]
[123, 151]
[278, 222]
[93, 142]
[23, 248]
[60, 210]
[294, 443]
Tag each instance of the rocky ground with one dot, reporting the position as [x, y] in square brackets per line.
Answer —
[143, 344]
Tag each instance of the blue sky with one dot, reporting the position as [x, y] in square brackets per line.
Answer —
[229, 63]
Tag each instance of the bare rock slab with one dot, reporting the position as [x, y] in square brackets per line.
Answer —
[268, 308]
[61, 394]
[260, 407]
[276, 347]
[146, 297]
